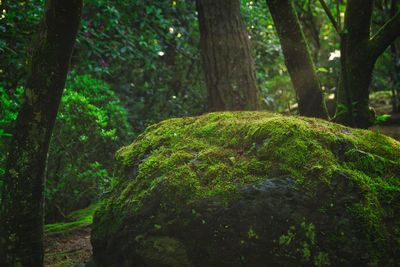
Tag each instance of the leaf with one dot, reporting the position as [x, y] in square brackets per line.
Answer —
[382, 118]
[322, 70]
[2, 133]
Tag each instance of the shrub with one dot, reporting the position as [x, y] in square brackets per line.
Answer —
[8, 113]
[91, 125]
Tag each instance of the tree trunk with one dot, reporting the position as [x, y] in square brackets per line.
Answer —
[395, 73]
[298, 59]
[21, 230]
[311, 26]
[395, 76]
[226, 57]
[359, 53]
[355, 79]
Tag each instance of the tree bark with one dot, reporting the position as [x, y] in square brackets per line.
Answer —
[226, 56]
[298, 59]
[311, 26]
[359, 53]
[21, 232]
[395, 73]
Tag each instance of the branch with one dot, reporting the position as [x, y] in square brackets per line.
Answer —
[339, 20]
[386, 35]
[330, 16]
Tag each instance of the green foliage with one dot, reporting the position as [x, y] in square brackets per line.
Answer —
[274, 81]
[386, 73]
[382, 118]
[8, 113]
[148, 51]
[280, 93]
[91, 125]
[19, 21]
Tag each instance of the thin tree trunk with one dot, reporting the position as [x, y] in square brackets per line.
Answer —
[396, 66]
[226, 57]
[355, 79]
[21, 230]
[359, 52]
[311, 27]
[298, 59]
[395, 75]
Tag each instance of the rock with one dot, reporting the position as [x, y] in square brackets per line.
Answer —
[252, 189]
[85, 264]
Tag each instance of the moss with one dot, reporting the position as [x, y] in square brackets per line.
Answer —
[322, 259]
[286, 239]
[301, 240]
[252, 234]
[77, 220]
[213, 155]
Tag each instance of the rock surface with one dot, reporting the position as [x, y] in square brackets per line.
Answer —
[252, 189]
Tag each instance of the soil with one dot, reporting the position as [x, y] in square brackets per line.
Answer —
[68, 249]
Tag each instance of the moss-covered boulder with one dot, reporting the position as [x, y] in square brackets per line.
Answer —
[252, 189]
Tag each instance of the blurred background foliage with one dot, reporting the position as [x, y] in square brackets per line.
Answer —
[137, 63]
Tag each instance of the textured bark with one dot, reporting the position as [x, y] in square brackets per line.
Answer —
[22, 204]
[395, 73]
[395, 77]
[298, 59]
[311, 25]
[359, 53]
[225, 51]
[355, 79]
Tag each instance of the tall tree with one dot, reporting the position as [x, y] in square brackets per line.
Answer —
[21, 233]
[359, 50]
[225, 51]
[298, 59]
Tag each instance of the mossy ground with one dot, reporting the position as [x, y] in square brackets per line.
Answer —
[68, 243]
[215, 154]
[76, 220]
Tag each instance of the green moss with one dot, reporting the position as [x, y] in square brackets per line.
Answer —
[251, 233]
[300, 242]
[78, 219]
[322, 259]
[286, 239]
[213, 155]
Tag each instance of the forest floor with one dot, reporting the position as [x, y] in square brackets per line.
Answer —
[381, 102]
[68, 243]
[65, 250]
[391, 127]
[390, 130]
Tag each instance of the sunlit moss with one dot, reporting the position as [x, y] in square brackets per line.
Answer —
[78, 219]
[213, 155]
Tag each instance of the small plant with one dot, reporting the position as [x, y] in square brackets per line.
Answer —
[382, 118]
